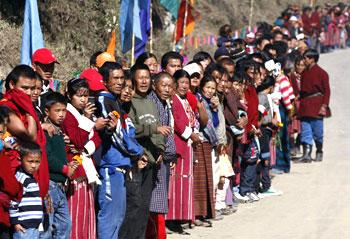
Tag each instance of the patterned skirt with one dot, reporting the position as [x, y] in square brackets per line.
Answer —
[159, 200]
[82, 210]
[203, 181]
[181, 189]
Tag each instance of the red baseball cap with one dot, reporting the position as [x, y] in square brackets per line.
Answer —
[94, 79]
[44, 56]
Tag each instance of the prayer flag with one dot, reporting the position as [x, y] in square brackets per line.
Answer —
[129, 21]
[111, 44]
[190, 20]
[172, 6]
[145, 26]
[32, 37]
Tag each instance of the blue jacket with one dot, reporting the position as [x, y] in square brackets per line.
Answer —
[120, 145]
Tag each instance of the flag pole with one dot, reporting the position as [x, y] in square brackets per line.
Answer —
[174, 36]
[184, 27]
[251, 12]
[151, 29]
[133, 50]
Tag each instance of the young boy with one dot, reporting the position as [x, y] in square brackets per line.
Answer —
[27, 214]
[59, 169]
[267, 125]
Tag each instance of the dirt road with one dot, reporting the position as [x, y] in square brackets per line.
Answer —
[316, 200]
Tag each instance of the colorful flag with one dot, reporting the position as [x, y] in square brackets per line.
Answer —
[112, 43]
[129, 20]
[172, 6]
[145, 26]
[32, 37]
[190, 20]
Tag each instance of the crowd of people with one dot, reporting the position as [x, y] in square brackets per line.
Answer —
[163, 146]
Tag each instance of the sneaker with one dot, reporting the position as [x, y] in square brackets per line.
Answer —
[272, 192]
[239, 198]
[218, 215]
[226, 211]
[231, 209]
[260, 195]
[253, 197]
[276, 171]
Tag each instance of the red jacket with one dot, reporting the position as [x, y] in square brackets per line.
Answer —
[252, 100]
[313, 81]
[80, 138]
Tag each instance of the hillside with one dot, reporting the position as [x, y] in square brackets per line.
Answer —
[77, 28]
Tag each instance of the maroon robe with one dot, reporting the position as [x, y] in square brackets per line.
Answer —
[181, 201]
[313, 81]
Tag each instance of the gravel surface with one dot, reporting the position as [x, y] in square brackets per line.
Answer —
[316, 199]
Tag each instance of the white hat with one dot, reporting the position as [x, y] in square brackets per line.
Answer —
[251, 35]
[192, 68]
[293, 18]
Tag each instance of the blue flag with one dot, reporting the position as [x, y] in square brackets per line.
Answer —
[32, 37]
[129, 20]
[172, 6]
[145, 26]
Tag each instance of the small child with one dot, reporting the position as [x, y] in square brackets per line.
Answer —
[59, 168]
[27, 215]
[267, 125]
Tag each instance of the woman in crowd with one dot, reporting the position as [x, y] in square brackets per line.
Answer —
[181, 198]
[150, 60]
[80, 129]
[203, 171]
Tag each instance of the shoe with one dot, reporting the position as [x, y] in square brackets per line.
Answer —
[319, 152]
[231, 209]
[319, 156]
[198, 223]
[218, 215]
[306, 158]
[253, 197]
[226, 211]
[272, 192]
[260, 195]
[239, 198]
[276, 171]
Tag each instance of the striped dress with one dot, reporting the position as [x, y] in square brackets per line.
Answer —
[181, 204]
[80, 195]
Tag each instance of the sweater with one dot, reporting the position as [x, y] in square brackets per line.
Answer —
[144, 115]
[29, 211]
[56, 157]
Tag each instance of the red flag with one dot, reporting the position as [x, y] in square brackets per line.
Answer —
[190, 20]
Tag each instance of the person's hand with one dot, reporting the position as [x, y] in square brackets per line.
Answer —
[72, 166]
[72, 149]
[242, 122]
[172, 165]
[19, 228]
[275, 122]
[66, 139]
[222, 149]
[323, 111]
[257, 132]
[195, 138]
[142, 162]
[112, 122]
[266, 162]
[164, 130]
[49, 128]
[159, 159]
[222, 180]
[214, 102]
[89, 110]
[100, 123]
